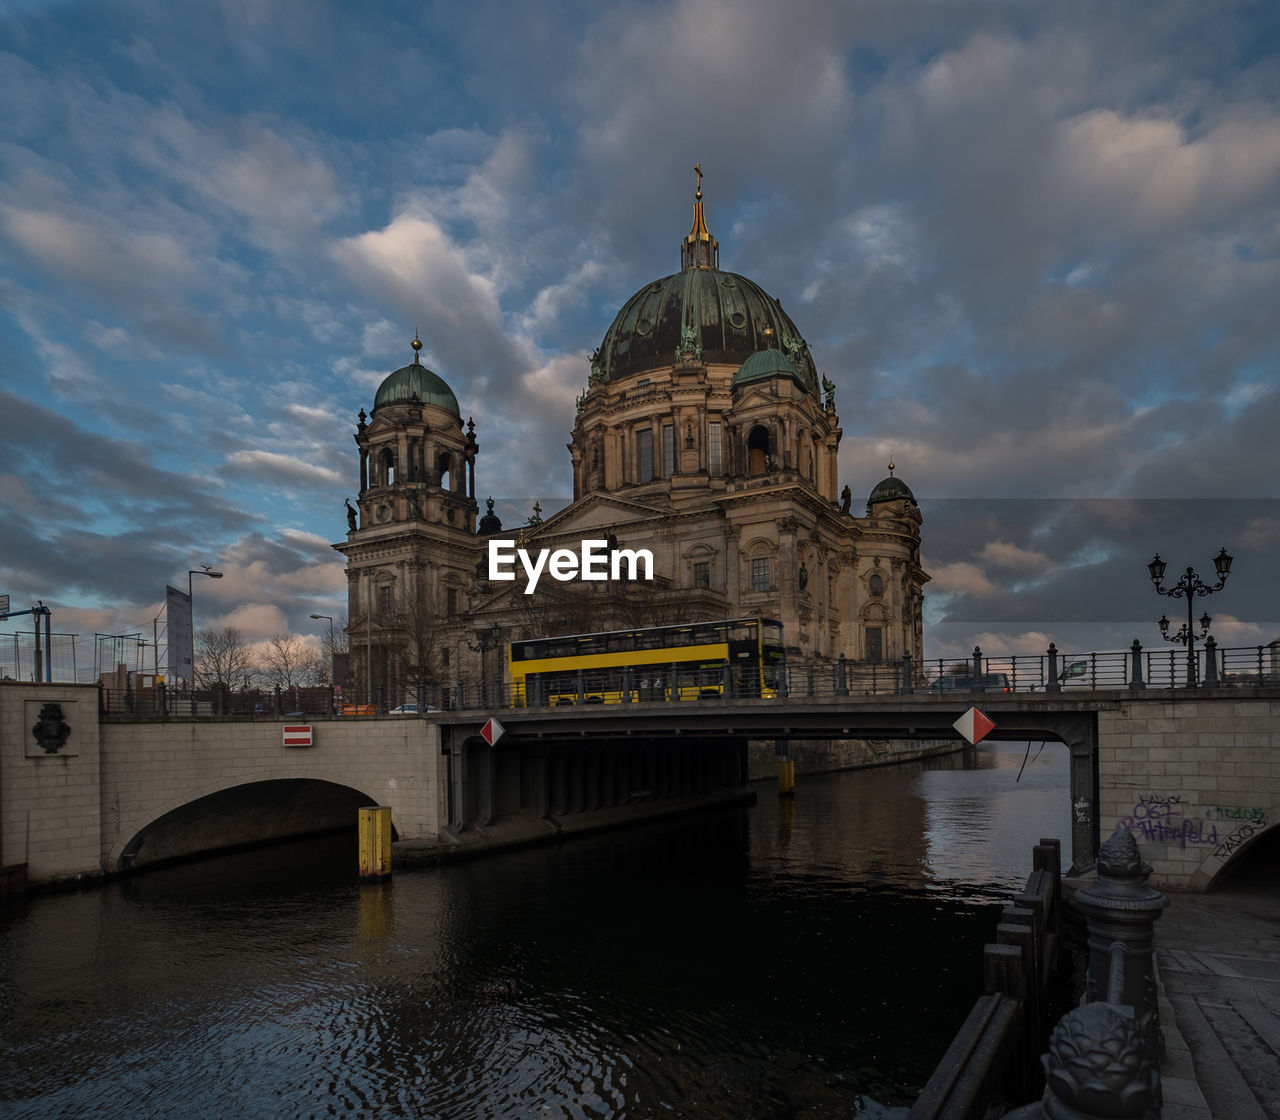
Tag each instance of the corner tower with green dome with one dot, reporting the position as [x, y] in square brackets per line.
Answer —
[411, 538]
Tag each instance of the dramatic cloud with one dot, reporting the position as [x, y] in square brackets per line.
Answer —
[1034, 246]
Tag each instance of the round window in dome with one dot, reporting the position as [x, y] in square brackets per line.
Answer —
[738, 319]
[729, 282]
[644, 326]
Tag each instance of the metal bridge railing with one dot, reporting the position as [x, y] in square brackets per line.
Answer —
[977, 675]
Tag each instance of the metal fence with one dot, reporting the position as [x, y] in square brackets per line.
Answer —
[979, 674]
[261, 703]
[23, 657]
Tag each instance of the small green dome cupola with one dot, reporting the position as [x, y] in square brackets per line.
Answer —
[415, 383]
[890, 489]
[764, 365]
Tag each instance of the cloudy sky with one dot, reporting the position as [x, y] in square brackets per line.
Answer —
[1035, 245]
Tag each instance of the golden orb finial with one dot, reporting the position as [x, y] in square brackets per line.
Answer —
[417, 345]
[891, 468]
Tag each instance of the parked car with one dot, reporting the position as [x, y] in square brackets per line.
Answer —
[412, 710]
[967, 682]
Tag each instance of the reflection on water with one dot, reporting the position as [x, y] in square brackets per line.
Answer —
[808, 957]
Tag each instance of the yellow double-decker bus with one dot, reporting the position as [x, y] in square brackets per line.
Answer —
[742, 656]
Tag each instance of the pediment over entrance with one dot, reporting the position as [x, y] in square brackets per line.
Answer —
[595, 516]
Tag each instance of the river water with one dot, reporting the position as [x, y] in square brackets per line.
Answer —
[806, 958]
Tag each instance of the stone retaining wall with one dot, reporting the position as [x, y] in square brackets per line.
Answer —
[1196, 777]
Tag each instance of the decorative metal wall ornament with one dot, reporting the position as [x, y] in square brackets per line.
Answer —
[51, 731]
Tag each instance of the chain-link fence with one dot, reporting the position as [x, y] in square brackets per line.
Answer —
[24, 656]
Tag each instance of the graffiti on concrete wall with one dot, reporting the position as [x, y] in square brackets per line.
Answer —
[1240, 837]
[1235, 813]
[1166, 819]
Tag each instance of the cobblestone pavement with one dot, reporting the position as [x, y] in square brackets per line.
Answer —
[1219, 960]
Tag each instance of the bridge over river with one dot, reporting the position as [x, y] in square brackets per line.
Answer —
[1194, 771]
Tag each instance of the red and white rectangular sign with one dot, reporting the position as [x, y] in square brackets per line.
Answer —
[297, 735]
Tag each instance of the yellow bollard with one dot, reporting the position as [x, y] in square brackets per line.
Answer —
[786, 778]
[375, 843]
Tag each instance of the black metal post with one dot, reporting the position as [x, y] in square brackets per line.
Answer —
[1120, 908]
[1135, 675]
[1210, 663]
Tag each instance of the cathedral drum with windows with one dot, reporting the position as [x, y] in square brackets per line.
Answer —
[704, 435]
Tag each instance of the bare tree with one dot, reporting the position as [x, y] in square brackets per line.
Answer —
[222, 659]
[418, 665]
[289, 661]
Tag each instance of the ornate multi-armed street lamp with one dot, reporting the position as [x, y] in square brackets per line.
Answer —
[1189, 585]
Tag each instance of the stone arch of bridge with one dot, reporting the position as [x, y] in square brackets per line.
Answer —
[1239, 847]
[225, 814]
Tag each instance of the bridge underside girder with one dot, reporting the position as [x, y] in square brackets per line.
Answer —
[550, 779]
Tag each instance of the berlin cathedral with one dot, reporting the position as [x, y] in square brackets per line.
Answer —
[704, 435]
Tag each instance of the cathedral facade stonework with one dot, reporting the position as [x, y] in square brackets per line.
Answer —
[704, 436]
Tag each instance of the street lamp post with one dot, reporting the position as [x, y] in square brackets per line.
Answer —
[1189, 585]
[330, 618]
[203, 570]
[485, 640]
[332, 674]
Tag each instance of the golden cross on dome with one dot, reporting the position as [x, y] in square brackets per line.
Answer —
[697, 167]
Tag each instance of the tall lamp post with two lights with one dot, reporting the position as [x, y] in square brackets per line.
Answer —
[1189, 585]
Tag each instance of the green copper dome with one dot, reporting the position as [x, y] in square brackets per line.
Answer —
[703, 313]
[891, 490]
[416, 383]
[732, 318]
[764, 365]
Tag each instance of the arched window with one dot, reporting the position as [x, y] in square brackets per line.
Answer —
[444, 468]
[386, 466]
[757, 451]
[875, 585]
